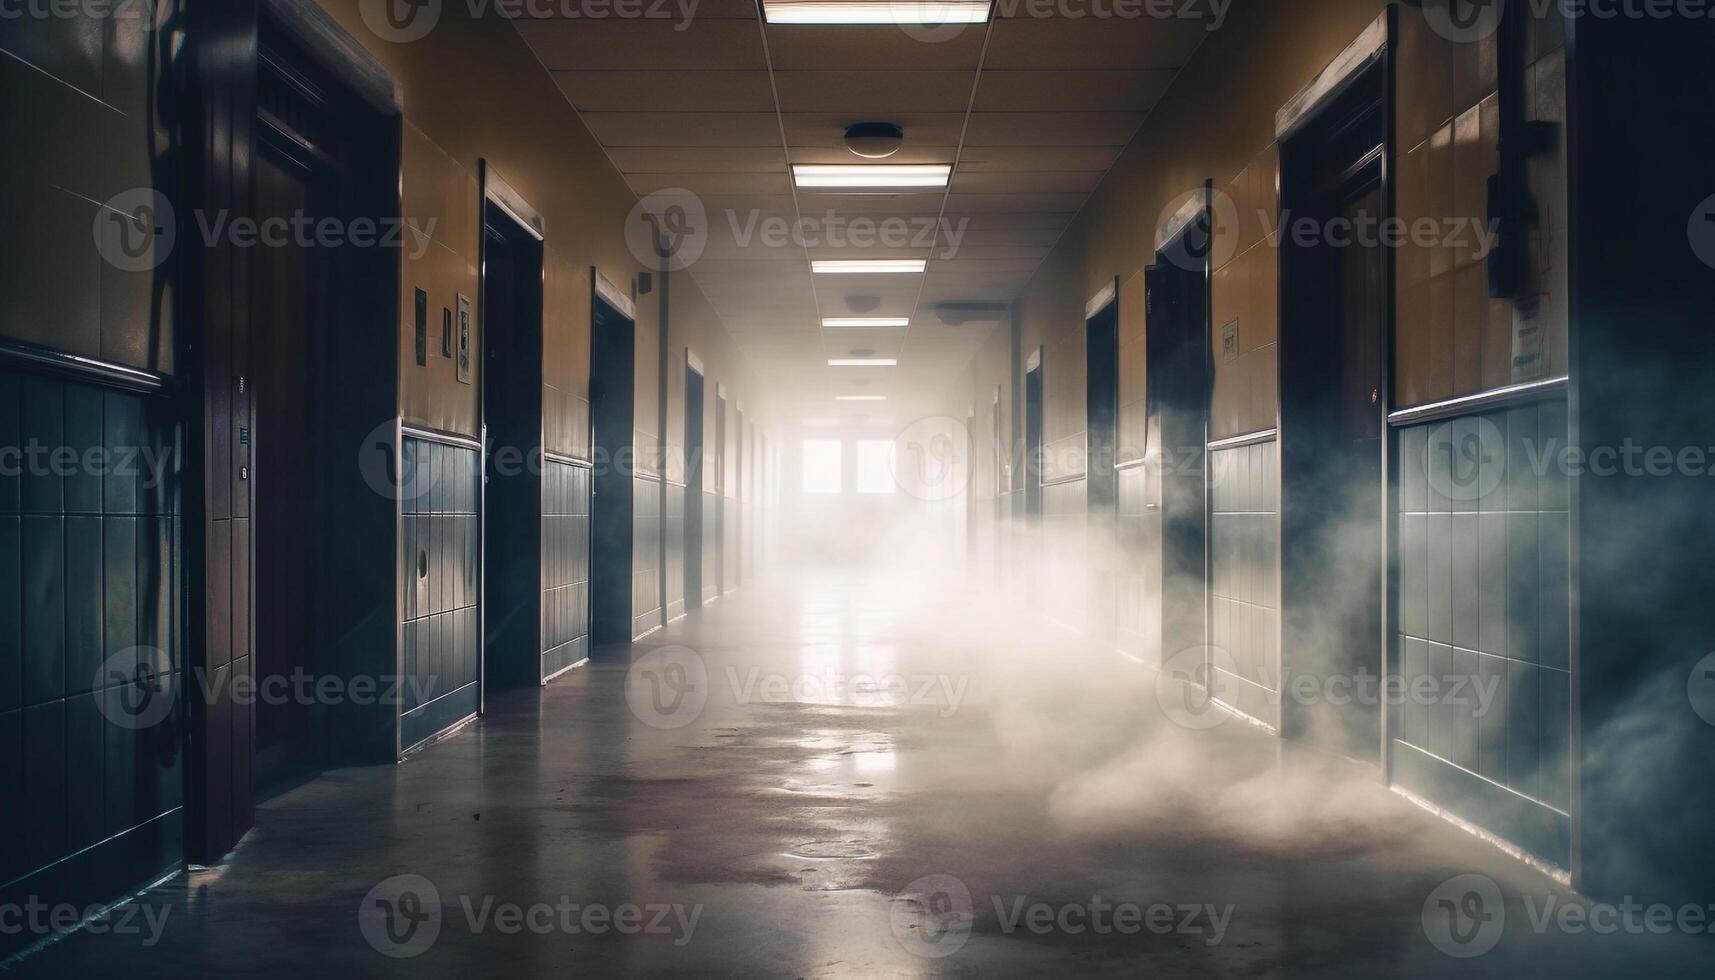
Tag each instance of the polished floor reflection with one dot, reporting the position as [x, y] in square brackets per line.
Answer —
[844, 776]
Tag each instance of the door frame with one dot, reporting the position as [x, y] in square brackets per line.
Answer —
[693, 490]
[1369, 59]
[1300, 328]
[496, 193]
[605, 292]
[1175, 243]
[213, 324]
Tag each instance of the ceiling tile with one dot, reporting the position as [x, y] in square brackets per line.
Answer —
[827, 129]
[1053, 220]
[667, 91]
[568, 45]
[1054, 91]
[984, 182]
[978, 203]
[684, 128]
[698, 159]
[1024, 159]
[881, 48]
[880, 94]
[1092, 43]
[704, 185]
[911, 152]
[1009, 237]
[670, 10]
[874, 205]
[1052, 128]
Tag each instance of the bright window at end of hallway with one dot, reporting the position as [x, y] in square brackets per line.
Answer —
[875, 466]
[822, 473]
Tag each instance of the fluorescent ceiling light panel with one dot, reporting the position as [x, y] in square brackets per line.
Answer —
[866, 266]
[817, 175]
[876, 11]
[862, 362]
[866, 321]
[860, 398]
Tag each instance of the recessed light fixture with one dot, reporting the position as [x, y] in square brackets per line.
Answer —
[862, 362]
[876, 11]
[866, 266]
[860, 398]
[861, 176]
[866, 321]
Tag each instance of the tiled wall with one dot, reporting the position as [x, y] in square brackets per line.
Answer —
[441, 562]
[1244, 554]
[565, 354]
[565, 565]
[673, 535]
[1133, 369]
[731, 529]
[1483, 592]
[646, 554]
[442, 200]
[711, 546]
[1138, 580]
[74, 103]
[1065, 552]
[1245, 295]
[88, 596]
[1452, 339]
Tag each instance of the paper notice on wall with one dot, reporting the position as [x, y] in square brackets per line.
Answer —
[1530, 339]
[1230, 341]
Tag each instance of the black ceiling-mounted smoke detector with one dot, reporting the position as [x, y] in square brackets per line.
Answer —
[874, 140]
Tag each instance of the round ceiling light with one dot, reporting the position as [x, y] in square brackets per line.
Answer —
[874, 140]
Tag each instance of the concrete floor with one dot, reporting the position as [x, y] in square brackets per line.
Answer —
[900, 817]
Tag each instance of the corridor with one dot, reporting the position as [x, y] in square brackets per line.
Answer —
[857, 488]
[848, 789]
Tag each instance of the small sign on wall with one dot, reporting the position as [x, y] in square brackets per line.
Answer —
[1230, 341]
[464, 339]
